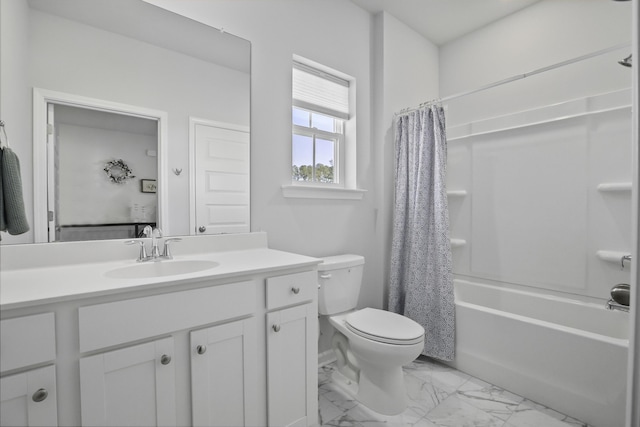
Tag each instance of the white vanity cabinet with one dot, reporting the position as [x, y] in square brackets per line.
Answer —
[292, 351]
[224, 374]
[136, 385]
[29, 398]
[133, 386]
[192, 349]
[28, 391]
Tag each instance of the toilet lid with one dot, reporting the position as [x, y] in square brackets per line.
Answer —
[384, 326]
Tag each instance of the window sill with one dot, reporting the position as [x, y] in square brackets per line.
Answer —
[316, 192]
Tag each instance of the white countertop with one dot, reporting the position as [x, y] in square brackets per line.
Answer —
[23, 287]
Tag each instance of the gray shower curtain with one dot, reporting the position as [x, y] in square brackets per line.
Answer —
[421, 285]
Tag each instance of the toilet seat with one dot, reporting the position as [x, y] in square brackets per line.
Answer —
[384, 326]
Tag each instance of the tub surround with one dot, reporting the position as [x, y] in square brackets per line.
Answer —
[255, 312]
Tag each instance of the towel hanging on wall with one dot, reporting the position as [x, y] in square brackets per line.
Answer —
[13, 218]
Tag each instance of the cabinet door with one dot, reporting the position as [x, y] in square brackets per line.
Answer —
[223, 374]
[29, 398]
[292, 358]
[134, 386]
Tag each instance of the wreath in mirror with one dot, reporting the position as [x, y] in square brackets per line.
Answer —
[118, 171]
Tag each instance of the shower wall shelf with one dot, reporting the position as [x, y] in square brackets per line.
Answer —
[456, 243]
[614, 186]
[457, 193]
[611, 256]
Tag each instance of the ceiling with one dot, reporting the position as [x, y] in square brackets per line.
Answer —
[444, 20]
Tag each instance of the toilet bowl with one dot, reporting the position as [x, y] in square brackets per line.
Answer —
[370, 345]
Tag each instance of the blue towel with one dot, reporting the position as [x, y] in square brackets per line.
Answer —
[13, 218]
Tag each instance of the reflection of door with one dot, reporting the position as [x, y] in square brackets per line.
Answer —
[221, 161]
[82, 195]
[52, 180]
[83, 201]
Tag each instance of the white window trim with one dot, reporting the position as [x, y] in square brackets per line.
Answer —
[321, 192]
[347, 189]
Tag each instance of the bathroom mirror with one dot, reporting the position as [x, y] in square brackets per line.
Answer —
[99, 56]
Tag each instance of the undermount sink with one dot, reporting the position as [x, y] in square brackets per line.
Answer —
[161, 269]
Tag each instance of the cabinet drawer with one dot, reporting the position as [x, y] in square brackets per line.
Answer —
[291, 289]
[115, 323]
[27, 340]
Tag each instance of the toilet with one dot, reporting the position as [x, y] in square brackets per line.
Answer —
[370, 345]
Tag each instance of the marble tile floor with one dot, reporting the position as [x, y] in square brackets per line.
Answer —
[439, 396]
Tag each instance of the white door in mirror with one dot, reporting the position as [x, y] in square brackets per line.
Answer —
[221, 177]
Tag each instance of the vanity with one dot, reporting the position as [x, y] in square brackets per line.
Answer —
[224, 334]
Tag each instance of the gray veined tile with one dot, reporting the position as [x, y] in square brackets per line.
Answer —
[424, 363]
[327, 410]
[444, 378]
[453, 412]
[423, 422]
[423, 395]
[439, 396]
[342, 421]
[324, 377]
[339, 397]
[531, 414]
[491, 399]
[369, 418]
[553, 413]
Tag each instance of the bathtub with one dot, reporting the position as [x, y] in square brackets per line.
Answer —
[565, 354]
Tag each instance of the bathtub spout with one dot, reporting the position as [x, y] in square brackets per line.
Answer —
[612, 305]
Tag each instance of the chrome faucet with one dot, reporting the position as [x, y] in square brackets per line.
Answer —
[154, 234]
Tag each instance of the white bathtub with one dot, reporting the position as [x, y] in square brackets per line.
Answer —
[565, 354]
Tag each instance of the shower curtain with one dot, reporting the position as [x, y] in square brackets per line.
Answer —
[421, 284]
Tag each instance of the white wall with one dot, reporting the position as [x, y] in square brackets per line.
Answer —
[533, 216]
[87, 195]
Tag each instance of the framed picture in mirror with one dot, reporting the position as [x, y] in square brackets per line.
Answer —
[148, 185]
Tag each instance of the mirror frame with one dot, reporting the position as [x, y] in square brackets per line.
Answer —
[41, 97]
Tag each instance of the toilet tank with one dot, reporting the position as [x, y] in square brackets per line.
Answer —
[339, 278]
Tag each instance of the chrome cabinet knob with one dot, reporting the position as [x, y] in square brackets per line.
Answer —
[202, 229]
[295, 290]
[165, 359]
[201, 349]
[276, 328]
[40, 395]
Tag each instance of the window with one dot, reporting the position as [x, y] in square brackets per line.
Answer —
[319, 115]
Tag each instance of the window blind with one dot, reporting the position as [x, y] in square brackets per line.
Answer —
[319, 91]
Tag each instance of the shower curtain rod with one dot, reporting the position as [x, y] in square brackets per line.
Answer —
[514, 78]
